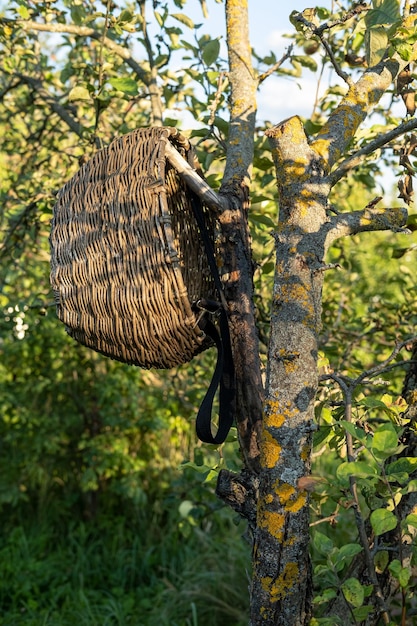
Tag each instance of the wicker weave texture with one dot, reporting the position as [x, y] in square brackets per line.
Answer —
[126, 256]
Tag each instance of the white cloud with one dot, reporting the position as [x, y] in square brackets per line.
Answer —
[280, 97]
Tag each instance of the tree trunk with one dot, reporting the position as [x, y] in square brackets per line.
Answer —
[281, 588]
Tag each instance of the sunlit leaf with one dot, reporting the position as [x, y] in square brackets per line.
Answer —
[402, 574]
[411, 520]
[384, 441]
[184, 19]
[404, 464]
[79, 93]
[382, 521]
[125, 85]
[376, 44]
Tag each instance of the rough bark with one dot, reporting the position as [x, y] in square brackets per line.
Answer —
[281, 586]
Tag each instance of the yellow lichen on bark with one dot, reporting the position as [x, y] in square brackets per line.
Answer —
[305, 452]
[273, 417]
[290, 499]
[271, 450]
[393, 215]
[345, 122]
[285, 581]
[273, 522]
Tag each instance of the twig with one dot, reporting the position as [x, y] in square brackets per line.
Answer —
[221, 82]
[343, 75]
[348, 387]
[373, 371]
[356, 10]
[100, 65]
[318, 31]
[152, 81]
[276, 65]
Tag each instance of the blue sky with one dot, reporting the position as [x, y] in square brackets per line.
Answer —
[279, 97]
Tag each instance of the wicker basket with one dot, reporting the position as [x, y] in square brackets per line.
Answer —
[127, 261]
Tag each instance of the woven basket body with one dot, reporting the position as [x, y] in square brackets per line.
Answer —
[127, 262]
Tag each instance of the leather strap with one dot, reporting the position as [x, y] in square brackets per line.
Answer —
[224, 373]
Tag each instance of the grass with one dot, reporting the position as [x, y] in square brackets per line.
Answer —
[145, 569]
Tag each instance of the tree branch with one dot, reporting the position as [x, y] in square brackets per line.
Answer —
[193, 180]
[287, 54]
[335, 136]
[369, 219]
[355, 159]
[319, 31]
[56, 107]
[82, 31]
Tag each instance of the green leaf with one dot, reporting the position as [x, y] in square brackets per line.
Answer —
[184, 19]
[23, 12]
[125, 85]
[397, 253]
[376, 44]
[402, 574]
[349, 550]
[79, 93]
[381, 559]
[353, 592]
[382, 521]
[326, 596]
[322, 543]
[360, 469]
[344, 555]
[210, 51]
[307, 61]
[262, 219]
[268, 268]
[405, 464]
[411, 520]
[384, 12]
[411, 486]
[405, 50]
[126, 16]
[321, 435]
[185, 508]
[326, 621]
[362, 612]
[355, 431]
[385, 441]
[372, 403]
[77, 14]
